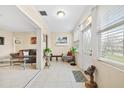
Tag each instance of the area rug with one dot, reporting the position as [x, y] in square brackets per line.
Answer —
[78, 75]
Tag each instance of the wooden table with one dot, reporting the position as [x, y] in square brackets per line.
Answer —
[56, 56]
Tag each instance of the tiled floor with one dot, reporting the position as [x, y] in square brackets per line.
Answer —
[15, 76]
[58, 75]
[17, 66]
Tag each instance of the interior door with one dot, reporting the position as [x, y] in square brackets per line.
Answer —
[86, 45]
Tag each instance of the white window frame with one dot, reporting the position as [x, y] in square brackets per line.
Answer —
[117, 64]
[102, 26]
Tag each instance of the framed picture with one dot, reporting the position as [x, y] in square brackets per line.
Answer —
[33, 40]
[61, 40]
[1, 40]
[17, 41]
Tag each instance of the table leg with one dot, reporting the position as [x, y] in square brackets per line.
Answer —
[47, 64]
[10, 63]
[62, 59]
[51, 58]
[24, 64]
[56, 58]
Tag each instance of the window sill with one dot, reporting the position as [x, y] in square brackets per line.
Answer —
[116, 64]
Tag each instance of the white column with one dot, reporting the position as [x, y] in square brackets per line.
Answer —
[38, 57]
[40, 62]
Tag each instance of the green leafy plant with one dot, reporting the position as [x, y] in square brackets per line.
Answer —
[74, 50]
[47, 51]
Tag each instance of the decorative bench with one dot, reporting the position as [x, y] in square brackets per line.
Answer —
[56, 56]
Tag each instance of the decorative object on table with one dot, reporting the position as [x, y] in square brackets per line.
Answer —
[47, 52]
[61, 40]
[91, 83]
[1, 40]
[33, 40]
[17, 42]
[73, 51]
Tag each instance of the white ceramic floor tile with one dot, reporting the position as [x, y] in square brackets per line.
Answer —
[15, 76]
[78, 85]
[58, 75]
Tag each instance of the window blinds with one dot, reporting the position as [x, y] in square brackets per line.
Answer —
[110, 15]
[113, 41]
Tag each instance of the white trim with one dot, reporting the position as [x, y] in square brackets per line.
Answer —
[112, 17]
[86, 27]
[116, 64]
[111, 26]
[107, 60]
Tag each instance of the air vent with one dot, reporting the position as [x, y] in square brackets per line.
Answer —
[43, 13]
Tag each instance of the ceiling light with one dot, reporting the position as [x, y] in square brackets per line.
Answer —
[60, 13]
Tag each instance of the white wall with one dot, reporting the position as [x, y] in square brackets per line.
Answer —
[35, 17]
[82, 60]
[106, 75]
[25, 39]
[10, 46]
[49, 40]
[59, 49]
[7, 48]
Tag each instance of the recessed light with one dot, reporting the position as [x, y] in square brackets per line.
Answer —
[60, 13]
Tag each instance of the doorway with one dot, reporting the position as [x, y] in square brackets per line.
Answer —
[86, 45]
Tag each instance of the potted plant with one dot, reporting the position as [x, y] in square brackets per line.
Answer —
[47, 51]
[73, 51]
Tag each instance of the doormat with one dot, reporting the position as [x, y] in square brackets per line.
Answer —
[78, 75]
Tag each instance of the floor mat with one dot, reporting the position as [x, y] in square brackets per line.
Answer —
[78, 75]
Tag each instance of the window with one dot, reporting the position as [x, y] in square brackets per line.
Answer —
[111, 29]
[87, 41]
[110, 15]
[112, 44]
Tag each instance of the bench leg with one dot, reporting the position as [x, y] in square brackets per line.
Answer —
[56, 58]
[24, 64]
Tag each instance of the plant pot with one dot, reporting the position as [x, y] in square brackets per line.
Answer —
[73, 64]
[47, 54]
